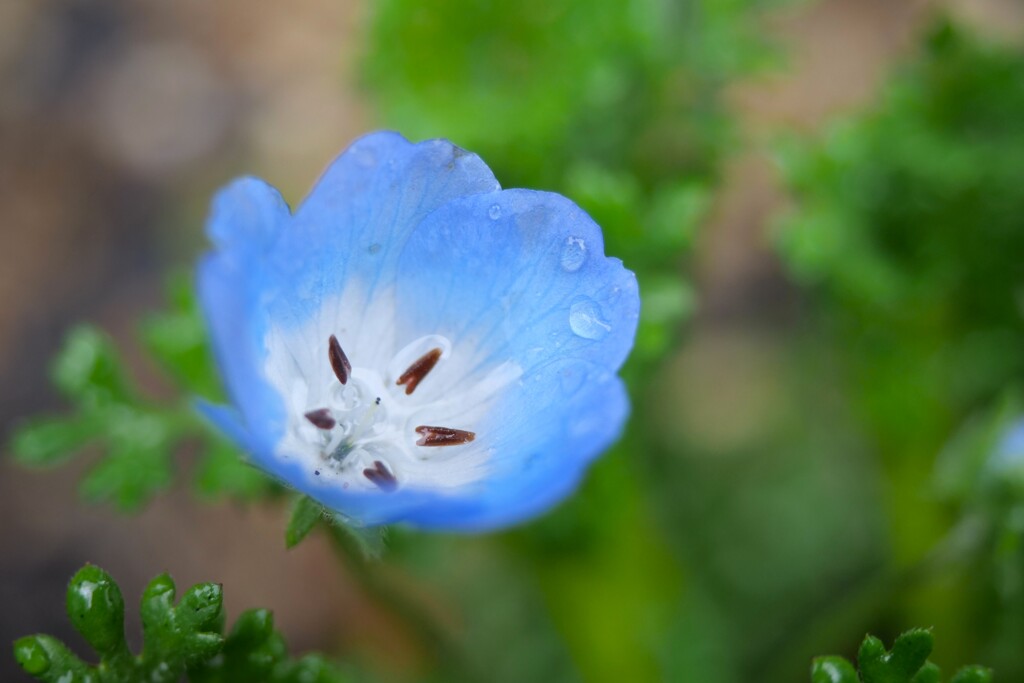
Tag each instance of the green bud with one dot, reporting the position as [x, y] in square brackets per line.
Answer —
[48, 660]
[202, 608]
[910, 652]
[832, 670]
[929, 673]
[253, 627]
[973, 674]
[31, 655]
[96, 608]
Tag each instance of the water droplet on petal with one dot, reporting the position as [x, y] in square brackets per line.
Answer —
[494, 212]
[574, 253]
[365, 157]
[374, 248]
[582, 427]
[570, 379]
[587, 321]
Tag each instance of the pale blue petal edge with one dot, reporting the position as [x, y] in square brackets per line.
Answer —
[387, 192]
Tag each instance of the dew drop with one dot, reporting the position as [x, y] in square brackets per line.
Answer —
[364, 157]
[494, 212]
[574, 253]
[374, 248]
[570, 379]
[586, 320]
[582, 427]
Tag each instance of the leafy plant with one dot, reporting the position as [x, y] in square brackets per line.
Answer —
[907, 229]
[138, 436]
[183, 639]
[908, 222]
[906, 662]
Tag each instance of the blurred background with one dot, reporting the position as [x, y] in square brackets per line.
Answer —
[824, 204]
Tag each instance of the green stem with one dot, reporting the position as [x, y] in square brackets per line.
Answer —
[438, 642]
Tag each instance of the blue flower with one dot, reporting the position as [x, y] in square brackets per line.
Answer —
[414, 344]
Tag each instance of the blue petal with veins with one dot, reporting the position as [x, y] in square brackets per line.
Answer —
[403, 252]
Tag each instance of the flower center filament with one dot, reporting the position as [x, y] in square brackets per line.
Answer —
[357, 431]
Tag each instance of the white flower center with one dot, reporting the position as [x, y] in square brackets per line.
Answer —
[363, 419]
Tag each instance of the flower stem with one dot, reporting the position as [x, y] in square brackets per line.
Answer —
[435, 639]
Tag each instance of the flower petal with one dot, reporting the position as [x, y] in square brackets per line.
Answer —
[246, 214]
[544, 434]
[548, 429]
[228, 292]
[271, 266]
[352, 227]
[517, 275]
[399, 242]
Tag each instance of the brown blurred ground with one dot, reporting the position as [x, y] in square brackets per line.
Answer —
[117, 121]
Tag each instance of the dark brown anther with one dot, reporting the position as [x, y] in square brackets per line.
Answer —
[321, 418]
[443, 436]
[380, 475]
[339, 361]
[418, 370]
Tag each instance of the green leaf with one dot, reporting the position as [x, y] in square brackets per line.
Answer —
[179, 639]
[177, 339]
[87, 368]
[129, 477]
[367, 543]
[47, 659]
[250, 651]
[306, 512]
[96, 609]
[254, 651]
[929, 673]
[973, 674]
[909, 653]
[136, 438]
[907, 662]
[48, 441]
[833, 670]
[308, 669]
[222, 471]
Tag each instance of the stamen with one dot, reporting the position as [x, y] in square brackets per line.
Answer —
[443, 436]
[321, 418]
[380, 475]
[418, 370]
[339, 361]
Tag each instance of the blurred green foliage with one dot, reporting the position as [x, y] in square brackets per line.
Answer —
[909, 225]
[139, 436]
[907, 230]
[183, 640]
